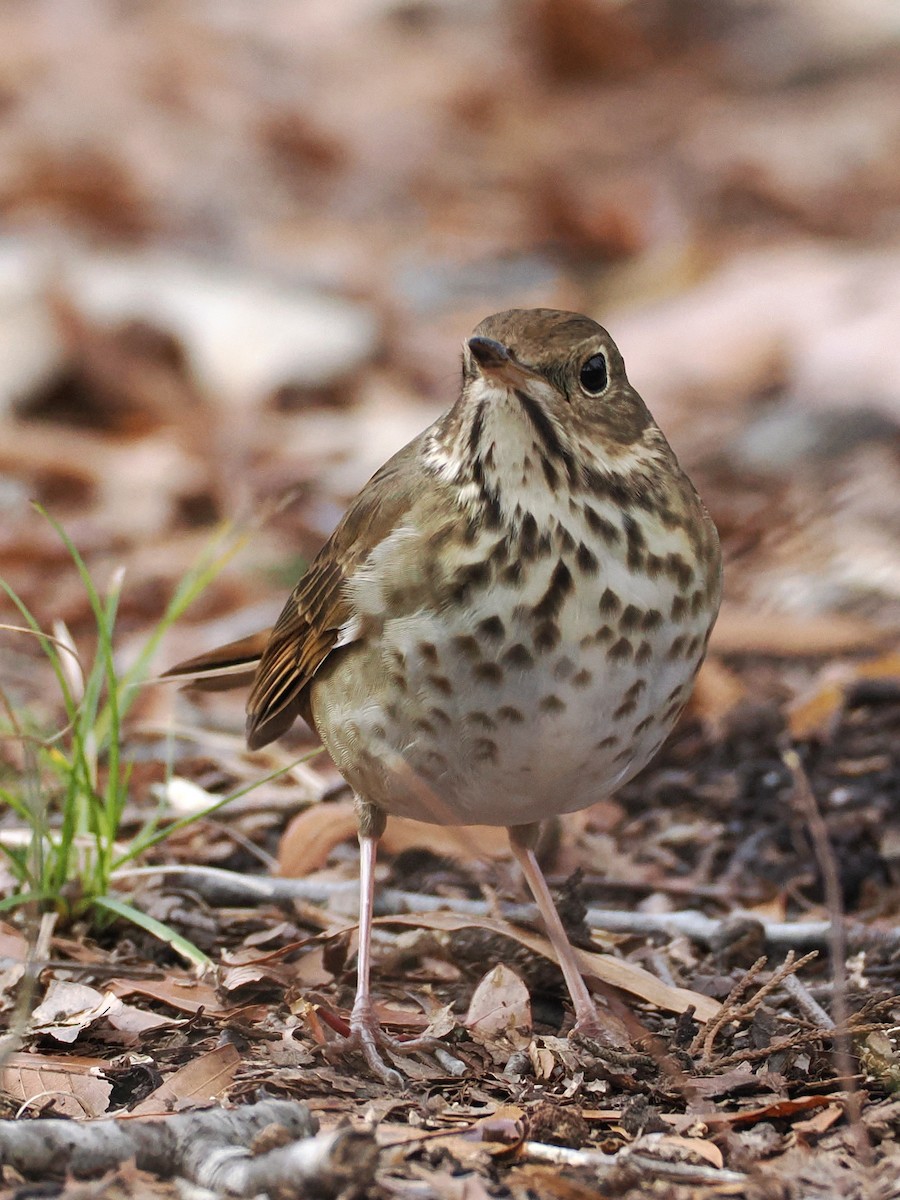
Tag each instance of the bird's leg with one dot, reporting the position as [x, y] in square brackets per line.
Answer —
[522, 839]
[366, 1033]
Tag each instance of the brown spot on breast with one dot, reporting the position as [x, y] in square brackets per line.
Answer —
[398, 680]
[643, 654]
[652, 619]
[512, 572]
[546, 636]
[643, 725]
[552, 703]
[428, 652]
[625, 709]
[554, 597]
[620, 650]
[439, 714]
[606, 743]
[518, 656]
[583, 678]
[630, 618]
[677, 648]
[679, 570]
[654, 566]
[485, 750]
[468, 578]
[634, 536]
[488, 672]
[563, 668]
[600, 525]
[424, 725]
[507, 712]
[679, 607]
[636, 688]
[528, 537]
[491, 627]
[482, 719]
[698, 599]
[467, 646]
[441, 684]
[609, 603]
[603, 634]
[565, 540]
[587, 560]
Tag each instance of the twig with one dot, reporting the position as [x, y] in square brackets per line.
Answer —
[218, 886]
[806, 805]
[808, 1005]
[213, 1148]
[637, 1157]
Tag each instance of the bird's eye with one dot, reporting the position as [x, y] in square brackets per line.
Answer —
[594, 375]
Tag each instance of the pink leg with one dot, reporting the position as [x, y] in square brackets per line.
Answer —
[366, 1033]
[364, 1025]
[587, 1020]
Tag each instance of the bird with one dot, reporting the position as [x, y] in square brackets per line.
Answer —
[507, 621]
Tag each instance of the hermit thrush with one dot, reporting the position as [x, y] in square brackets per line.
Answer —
[508, 619]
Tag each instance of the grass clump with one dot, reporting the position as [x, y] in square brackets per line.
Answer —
[74, 787]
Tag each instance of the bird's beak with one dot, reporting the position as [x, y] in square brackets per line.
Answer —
[497, 363]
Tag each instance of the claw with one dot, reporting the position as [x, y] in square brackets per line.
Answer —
[367, 1036]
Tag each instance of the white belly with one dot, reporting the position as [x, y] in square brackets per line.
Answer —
[508, 724]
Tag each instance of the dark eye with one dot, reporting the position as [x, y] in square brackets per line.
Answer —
[594, 375]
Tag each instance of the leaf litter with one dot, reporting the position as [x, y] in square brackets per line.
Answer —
[617, 163]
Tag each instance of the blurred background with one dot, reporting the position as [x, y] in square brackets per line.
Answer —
[241, 244]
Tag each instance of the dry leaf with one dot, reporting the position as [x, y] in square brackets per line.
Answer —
[311, 836]
[500, 1007]
[199, 1082]
[815, 713]
[70, 1083]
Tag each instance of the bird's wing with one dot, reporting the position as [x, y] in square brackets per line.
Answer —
[320, 607]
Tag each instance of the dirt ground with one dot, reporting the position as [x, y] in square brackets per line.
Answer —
[241, 246]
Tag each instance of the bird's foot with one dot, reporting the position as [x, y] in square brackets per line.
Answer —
[368, 1036]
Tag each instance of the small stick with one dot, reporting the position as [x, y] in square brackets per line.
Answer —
[807, 806]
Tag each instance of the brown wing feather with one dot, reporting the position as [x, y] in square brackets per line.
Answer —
[307, 630]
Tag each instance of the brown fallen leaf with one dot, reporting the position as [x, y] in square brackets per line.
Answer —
[70, 1083]
[778, 1109]
[68, 1009]
[672, 1144]
[500, 1008]
[198, 1082]
[815, 713]
[311, 836]
[819, 1122]
[184, 995]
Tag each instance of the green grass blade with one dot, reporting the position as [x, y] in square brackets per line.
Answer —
[163, 933]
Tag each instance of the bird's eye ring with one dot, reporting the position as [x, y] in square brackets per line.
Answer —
[594, 375]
